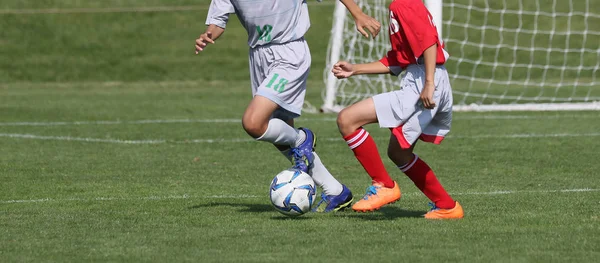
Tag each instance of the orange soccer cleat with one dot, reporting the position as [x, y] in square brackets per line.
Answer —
[376, 197]
[438, 213]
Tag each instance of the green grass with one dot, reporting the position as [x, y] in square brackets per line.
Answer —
[65, 199]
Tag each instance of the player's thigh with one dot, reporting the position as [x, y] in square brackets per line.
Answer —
[260, 108]
[396, 107]
[356, 115]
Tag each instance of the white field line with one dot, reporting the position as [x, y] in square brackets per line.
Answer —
[77, 123]
[325, 119]
[526, 117]
[485, 136]
[80, 139]
[238, 140]
[185, 196]
[525, 135]
[153, 9]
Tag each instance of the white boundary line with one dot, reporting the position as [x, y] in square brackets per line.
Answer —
[185, 196]
[525, 117]
[78, 123]
[79, 139]
[525, 135]
[118, 9]
[238, 140]
[325, 119]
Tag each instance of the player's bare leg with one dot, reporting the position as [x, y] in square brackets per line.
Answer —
[258, 123]
[443, 206]
[257, 116]
[383, 189]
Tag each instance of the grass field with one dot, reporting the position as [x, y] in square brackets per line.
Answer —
[118, 144]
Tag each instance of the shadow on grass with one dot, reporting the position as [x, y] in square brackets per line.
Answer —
[283, 217]
[248, 208]
[252, 208]
[385, 213]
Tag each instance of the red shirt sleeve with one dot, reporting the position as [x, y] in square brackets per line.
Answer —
[389, 60]
[392, 63]
[418, 26]
[385, 61]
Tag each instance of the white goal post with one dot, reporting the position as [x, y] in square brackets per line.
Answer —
[505, 55]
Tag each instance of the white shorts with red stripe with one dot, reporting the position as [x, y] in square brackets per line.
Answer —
[403, 111]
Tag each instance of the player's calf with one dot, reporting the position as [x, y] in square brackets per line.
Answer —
[397, 154]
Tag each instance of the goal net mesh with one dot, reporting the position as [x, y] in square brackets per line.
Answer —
[502, 52]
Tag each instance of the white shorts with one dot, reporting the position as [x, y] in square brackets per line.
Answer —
[279, 73]
[403, 111]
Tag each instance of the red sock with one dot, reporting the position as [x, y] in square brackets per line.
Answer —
[365, 150]
[419, 172]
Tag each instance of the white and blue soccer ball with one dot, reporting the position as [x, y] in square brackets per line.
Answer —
[293, 192]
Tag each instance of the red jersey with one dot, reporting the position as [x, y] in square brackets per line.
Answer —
[412, 31]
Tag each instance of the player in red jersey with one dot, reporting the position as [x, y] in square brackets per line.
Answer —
[420, 109]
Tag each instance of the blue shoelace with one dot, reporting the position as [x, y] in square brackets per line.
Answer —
[297, 157]
[432, 206]
[324, 199]
[371, 190]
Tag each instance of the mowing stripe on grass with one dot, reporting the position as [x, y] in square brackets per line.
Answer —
[151, 9]
[237, 121]
[238, 140]
[101, 10]
[185, 196]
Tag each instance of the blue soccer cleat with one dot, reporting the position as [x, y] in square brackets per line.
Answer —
[302, 156]
[300, 160]
[332, 203]
[309, 144]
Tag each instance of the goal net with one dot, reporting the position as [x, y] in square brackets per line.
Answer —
[504, 54]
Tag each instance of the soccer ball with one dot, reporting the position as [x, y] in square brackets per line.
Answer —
[292, 192]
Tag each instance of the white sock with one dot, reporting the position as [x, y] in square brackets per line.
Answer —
[324, 178]
[301, 138]
[280, 133]
[321, 175]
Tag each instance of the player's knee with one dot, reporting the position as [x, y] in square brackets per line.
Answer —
[254, 126]
[344, 123]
